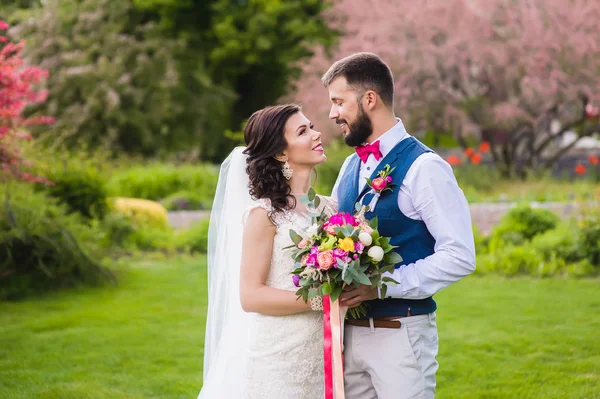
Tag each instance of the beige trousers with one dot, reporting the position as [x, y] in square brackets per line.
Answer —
[388, 363]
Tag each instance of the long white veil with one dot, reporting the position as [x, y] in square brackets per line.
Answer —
[226, 322]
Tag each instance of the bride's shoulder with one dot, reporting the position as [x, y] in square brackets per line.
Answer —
[263, 204]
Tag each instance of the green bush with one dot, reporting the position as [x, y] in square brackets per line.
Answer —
[511, 261]
[158, 181]
[43, 246]
[563, 242]
[79, 179]
[523, 223]
[590, 236]
[195, 239]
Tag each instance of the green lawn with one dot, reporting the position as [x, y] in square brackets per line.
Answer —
[499, 338]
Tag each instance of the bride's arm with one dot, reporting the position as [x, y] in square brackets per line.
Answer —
[257, 249]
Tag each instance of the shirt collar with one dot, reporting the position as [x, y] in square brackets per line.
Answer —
[389, 139]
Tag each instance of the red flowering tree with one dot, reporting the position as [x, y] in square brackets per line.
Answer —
[519, 74]
[17, 91]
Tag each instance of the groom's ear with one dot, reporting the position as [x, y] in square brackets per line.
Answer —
[371, 99]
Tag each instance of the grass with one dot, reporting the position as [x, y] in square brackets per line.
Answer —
[499, 338]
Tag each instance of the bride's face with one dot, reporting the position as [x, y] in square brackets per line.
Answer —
[304, 147]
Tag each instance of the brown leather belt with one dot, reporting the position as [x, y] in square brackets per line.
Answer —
[380, 322]
[377, 323]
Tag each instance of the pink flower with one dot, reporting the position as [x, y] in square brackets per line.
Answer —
[366, 228]
[3, 25]
[388, 179]
[296, 280]
[325, 260]
[304, 259]
[359, 247]
[340, 219]
[340, 254]
[302, 244]
[312, 260]
[379, 183]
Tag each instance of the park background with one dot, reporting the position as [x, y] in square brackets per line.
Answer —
[114, 117]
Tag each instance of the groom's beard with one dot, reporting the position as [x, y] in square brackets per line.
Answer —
[359, 130]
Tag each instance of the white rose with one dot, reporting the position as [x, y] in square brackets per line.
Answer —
[365, 238]
[312, 231]
[376, 253]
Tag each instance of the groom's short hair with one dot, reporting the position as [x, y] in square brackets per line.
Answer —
[364, 71]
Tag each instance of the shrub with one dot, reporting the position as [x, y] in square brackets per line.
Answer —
[142, 213]
[82, 189]
[563, 242]
[511, 261]
[42, 246]
[590, 236]
[158, 181]
[523, 223]
[195, 239]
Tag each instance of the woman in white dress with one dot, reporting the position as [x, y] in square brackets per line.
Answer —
[261, 341]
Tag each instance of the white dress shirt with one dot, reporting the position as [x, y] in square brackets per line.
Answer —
[429, 193]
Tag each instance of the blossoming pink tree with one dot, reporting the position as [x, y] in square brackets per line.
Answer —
[518, 74]
[17, 81]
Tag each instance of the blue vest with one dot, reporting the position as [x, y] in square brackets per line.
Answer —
[412, 238]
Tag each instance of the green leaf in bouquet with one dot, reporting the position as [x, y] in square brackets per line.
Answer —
[297, 270]
[290, 246]
[312, 292]
[358, 206]
[363, 279]
[348, 229]
[311, 194]
[383, 291]
[375, 235]
[317, 201]
[339, 231]
[393, 257]
[296, 238]
[305, 295]
[326, 288]
[335, 293]
[384, 242]
[373, 223]
[369, 181]
[389, 268]
[389, 280]
[303, 281]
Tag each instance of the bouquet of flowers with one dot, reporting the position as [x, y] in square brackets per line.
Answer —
[339, 251]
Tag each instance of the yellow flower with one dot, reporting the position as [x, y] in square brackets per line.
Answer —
[346, 244]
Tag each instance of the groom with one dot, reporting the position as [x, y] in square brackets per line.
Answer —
[391, 353]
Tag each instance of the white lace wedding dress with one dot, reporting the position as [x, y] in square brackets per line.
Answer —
[285, 353]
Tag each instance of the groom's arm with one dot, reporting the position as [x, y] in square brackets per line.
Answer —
[442, 206]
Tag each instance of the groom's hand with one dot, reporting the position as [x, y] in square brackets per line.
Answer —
[358, 295]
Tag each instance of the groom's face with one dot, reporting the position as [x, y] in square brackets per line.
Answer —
[348, 113]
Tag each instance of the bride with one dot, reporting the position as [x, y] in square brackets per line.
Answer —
[261, 341]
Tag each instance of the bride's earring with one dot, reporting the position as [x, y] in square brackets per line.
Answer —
[287, 170]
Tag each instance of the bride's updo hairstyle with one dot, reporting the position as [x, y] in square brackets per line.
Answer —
[265, 139]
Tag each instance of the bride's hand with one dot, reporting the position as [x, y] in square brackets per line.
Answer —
[358, 295]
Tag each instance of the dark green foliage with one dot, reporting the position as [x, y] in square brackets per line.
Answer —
[42, 247]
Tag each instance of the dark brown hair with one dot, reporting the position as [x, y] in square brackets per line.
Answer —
[364, 71]
[265, 139]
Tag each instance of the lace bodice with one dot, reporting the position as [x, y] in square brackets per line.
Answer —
[285, 353]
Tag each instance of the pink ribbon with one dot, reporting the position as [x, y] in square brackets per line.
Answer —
[332, 349]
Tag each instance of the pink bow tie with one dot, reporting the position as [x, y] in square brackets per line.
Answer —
[363, 151]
